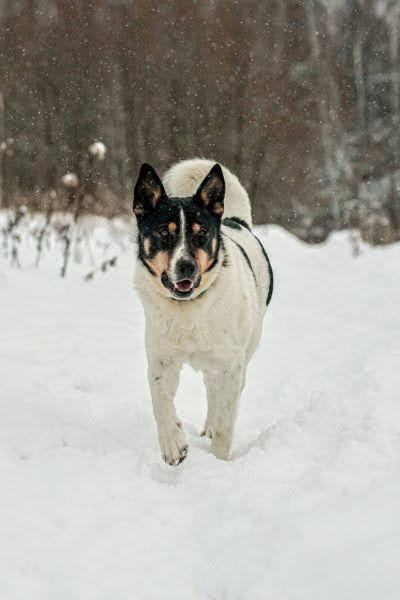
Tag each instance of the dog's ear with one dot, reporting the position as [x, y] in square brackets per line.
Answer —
[148, 192]
[211, 191]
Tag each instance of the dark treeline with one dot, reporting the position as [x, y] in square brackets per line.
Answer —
[300, 98]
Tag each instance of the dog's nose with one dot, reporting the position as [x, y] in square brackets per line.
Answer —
[185, 269]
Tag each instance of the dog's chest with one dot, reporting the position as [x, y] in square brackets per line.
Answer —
[188, 329]
[195, 329]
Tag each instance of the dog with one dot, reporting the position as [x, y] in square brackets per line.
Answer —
[205, 282]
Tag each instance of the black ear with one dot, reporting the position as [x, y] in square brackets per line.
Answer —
[148, 192]
[211, 192]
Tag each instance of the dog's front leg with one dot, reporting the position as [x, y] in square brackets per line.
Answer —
[163, 379]
[230, 383]
[211, 383]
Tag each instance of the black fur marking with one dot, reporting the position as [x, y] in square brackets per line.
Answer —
[225, 259]
[154, 227]
[220, 246]
[211, 191]
[235, 223]
[148, 192]
[270, 272]
[231, 223]
[160, 224]
[244, 254]
[213, 264]
[165, 280]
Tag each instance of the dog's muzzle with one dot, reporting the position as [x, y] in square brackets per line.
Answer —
[184, 280]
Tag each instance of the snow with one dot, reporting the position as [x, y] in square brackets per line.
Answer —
[307, 509]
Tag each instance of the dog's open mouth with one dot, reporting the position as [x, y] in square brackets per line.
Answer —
[185, 285]
[182, 288]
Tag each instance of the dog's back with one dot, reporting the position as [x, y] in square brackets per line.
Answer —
[183, 179]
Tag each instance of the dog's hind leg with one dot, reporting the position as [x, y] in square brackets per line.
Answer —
[230, 382]
[163, 379]
[211, 383]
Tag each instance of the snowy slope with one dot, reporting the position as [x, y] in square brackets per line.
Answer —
[309, 507]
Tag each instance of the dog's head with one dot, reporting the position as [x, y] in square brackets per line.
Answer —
[179, 238]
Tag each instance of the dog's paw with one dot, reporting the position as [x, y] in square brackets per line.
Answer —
[221, 445]
[173, 445]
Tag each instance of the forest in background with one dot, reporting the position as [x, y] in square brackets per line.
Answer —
[301, 99]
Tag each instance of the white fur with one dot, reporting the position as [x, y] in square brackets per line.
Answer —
[183, 179]
[216, 333]
[180, 251]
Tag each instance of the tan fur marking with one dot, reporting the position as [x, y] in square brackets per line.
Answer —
[214, 245]
[147, 245]
[218, 208]
[172, 227]
[196, 227]
[156, 196]
[202, 259]
[159, 263]
[204, 197]
[138, 209]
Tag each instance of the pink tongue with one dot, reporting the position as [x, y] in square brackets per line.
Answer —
[185, 285]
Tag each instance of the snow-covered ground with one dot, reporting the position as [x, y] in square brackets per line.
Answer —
[309, 507]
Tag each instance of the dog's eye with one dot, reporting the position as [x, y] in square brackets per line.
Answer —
[164, 232]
